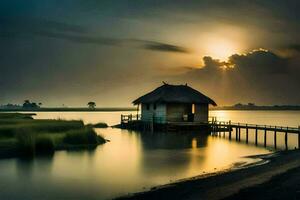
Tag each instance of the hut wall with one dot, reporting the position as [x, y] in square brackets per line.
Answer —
[201, 113]
[176, 111]
[158, 114]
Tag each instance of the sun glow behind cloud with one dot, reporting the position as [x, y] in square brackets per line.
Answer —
[223, 41]
[221, 48]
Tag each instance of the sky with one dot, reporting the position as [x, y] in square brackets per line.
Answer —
[70, 52]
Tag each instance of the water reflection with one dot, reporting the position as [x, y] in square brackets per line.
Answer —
[163, 140]
[130, 162]
[24, 168]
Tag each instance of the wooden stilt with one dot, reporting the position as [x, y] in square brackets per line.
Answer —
[236, 133]
[239, 134]
[229, 126]
[247, 134]
[224, 129]
[152, 124]
[265, 137]
[299, 137]
[275, 138]
[256, 133]
[286, 140]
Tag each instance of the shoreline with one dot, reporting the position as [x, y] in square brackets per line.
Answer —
[225, 183]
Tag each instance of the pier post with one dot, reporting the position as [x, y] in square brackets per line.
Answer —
[236, 133]
[256, 132]
[298, 137]
[247, 133]
[229, 126]
[239, 132]
[219, 132]
[224, 129]
[152, 124]
[275, 138]
[286, 139]
[265, 137]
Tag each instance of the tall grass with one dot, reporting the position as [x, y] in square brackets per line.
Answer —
[84, 136]
[16, 115]
[30, 143]
[99, 125]
[26, 141]
[40, 126]
[44, 145]
[31, 137]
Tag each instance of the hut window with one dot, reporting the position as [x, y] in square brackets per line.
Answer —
[154, 106]
[147, 106]
[193, 108]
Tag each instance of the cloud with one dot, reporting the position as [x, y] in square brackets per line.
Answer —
[213, 63]
[256, 61]
[80, 38]
[22, 28]
[158, 46]
[260, 76]
[293, 47]
[260, 61]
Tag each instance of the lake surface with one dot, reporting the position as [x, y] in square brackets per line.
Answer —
[131, 161]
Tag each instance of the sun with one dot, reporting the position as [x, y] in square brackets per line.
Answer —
[221, 48]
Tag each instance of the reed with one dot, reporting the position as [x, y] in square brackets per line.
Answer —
[30, 137]
[99, 125]
[44, 145]
[26, 141]
[84, 136]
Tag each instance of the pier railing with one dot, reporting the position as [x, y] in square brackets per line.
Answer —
[255, 126]
[129, 118]
[222, 126]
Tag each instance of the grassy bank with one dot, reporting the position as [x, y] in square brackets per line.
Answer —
[21, 135]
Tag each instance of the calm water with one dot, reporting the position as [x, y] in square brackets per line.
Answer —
[132, 161]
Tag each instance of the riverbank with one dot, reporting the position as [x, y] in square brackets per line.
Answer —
[230, 182]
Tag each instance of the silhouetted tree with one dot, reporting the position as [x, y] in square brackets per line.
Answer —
[30, 105]
[91, 105]
[238, 105]
[251, 104]
[26, 104]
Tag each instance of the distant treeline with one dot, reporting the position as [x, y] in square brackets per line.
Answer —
[252, 106]
[32, 106]
[69, 109]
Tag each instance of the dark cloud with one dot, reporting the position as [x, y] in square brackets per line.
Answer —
[260, 61]
[158, 46]
[293, 47]
[209, 62]
[261, 76]
[80, 38]
[13, 28]
[25, 26]
[256, 61]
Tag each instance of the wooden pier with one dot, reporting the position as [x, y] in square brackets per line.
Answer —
[236, 128]
[216, 128]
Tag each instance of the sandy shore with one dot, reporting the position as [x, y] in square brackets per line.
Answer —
[246, 183]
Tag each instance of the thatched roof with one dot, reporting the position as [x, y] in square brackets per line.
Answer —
[174, 94]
